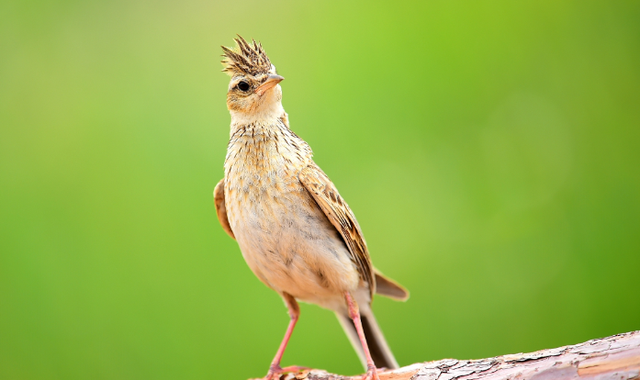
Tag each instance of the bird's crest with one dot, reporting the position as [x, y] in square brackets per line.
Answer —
[245, 59]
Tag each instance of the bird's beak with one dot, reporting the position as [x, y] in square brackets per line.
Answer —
[271, 82]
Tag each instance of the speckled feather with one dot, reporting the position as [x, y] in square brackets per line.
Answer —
[294, 230]
[287, 239]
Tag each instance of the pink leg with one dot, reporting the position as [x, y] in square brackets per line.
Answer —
[354, 314]
[294, 313]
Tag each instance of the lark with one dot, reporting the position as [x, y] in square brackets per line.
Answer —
[296, 233]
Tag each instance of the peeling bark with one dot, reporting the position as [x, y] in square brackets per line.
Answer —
[613, 358]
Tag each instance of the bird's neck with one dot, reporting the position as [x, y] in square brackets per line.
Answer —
[264, 143]
[265, 115]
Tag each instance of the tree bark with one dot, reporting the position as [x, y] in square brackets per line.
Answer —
[613, 358]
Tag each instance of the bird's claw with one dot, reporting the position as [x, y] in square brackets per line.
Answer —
[275, 371]
[372, 374]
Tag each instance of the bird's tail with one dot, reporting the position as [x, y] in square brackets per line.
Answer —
[380, 352]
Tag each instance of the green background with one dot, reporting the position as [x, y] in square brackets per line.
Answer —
[490, 150]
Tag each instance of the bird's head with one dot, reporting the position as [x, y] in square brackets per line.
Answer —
[254, 92]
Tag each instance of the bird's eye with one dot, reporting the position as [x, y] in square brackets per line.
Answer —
[243, 86]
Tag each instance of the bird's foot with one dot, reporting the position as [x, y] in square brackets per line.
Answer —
[372, 374]
[294, 368]
[275, 371]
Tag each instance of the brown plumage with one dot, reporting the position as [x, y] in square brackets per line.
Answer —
[342, 218]
[246, 59]
[295, 231]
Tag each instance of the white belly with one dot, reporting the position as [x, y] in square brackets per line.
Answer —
[291, 246]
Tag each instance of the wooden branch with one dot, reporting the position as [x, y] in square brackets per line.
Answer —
[613, 358]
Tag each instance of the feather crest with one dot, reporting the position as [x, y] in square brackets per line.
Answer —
[246, 58]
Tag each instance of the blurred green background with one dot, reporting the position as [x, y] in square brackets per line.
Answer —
[490, 150]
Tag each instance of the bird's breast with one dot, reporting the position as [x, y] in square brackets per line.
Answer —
[284, 236]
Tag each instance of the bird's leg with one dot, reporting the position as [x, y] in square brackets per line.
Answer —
[294, 313]
[354, 314]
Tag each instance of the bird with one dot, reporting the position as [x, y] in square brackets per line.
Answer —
[295, 231]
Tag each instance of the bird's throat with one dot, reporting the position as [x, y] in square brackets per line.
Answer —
[267, 113]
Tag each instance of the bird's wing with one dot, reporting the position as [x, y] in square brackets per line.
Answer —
[221, 209]
[340, 215]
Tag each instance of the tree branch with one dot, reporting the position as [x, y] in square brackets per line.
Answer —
[613, 358]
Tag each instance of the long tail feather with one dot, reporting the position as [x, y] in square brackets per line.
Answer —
[380, 352]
